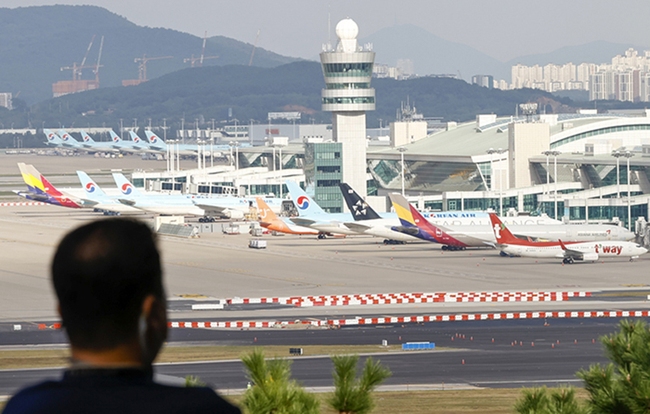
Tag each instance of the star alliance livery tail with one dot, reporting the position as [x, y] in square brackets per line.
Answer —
[305, 204]
[125, 186]
[358, 207]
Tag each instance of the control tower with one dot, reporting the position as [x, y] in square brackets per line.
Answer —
[348, 70]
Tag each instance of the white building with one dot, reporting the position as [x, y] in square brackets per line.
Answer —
[6, 100]
[347, 70]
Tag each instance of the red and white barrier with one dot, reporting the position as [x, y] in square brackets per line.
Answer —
[398, 298]
[23, 203]
[415, 319]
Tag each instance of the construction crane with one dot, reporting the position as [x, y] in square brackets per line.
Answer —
[99, 58]
[142, 67]
[193, 61]
[76, 69]
[250, 62]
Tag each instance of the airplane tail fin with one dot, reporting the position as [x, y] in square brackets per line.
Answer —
[125, 186]
[52, 138]
[66, 137]
[358, 207]
[306, 205]
[411, 219]
[562, 244]
[266, 214]
[135, 138]
[90, 187]
[501, 232]
[114, 137]
[32, 179]
[154, 139]
[86, 138]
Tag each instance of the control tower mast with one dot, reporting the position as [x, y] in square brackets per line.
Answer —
[347, 70]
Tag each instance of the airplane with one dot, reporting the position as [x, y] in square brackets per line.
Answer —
[569, 252]
[93, 145]
[52, 138]
[40, 189]
[140, 144]
[159, 145]
[105, 203]
[269, 220]
[68, 141]
[368, 221]
[414, 224]
[312, 216]
[185, 204]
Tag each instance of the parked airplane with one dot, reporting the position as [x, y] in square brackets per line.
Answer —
[312, 216]
[368, 221]
[52, 138]
[269, 220]
[92, 145]
[40, 189]
[567, 251]
[186, 204]
[105, 203]
[414, 224]
[68, 141]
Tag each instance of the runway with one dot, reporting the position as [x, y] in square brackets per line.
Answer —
[484, 354]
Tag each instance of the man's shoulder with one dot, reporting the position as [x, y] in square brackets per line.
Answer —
[61, 397]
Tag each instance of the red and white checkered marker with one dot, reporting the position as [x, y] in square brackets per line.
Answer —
[24, 203]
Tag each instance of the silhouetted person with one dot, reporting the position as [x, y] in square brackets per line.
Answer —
[108, 280]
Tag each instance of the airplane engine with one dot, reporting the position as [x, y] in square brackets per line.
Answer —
[590, 257]
[233, 214]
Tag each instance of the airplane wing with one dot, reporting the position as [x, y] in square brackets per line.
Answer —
[211, 210]
[357, 226]
[569, 253]
[301, 221]
[411, 231]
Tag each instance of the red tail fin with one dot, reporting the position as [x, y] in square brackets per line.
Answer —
[501, 232]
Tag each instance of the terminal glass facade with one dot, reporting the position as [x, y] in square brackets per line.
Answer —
[324, 172]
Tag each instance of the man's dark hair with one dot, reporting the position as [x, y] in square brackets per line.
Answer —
[102, 272]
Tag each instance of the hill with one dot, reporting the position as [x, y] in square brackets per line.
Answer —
[431, 54]
[594, 52]
[251, 92]
[38, 41]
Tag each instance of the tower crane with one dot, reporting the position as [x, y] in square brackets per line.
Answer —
[142, 67]
[250, 62]
[193, 60]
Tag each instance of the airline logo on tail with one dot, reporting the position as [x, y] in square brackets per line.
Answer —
[303, 202]
[127, 188]
[153, 139]
[50, 136]
[90, 187]
[65, 137]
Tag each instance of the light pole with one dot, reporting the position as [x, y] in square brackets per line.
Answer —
[627, 156]
[491, 152]
[237, 155]
[618, 154]
[553, 153]
[401, 154]
[280, 149]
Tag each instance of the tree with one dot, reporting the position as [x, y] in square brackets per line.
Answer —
[620, 387]
[623, 386]
[352, 395]
[273, 390]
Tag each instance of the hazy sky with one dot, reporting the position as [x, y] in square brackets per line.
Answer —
[503, 29]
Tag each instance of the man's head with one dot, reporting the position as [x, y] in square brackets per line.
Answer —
[108, 280]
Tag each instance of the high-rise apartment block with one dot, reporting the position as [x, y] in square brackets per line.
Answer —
[627, 78]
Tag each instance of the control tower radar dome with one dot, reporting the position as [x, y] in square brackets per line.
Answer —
[347, 29]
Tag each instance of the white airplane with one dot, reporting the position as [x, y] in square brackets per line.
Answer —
[91, 145]
[70, 142]
[311, 215]
[569, 252]
[105, 203]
